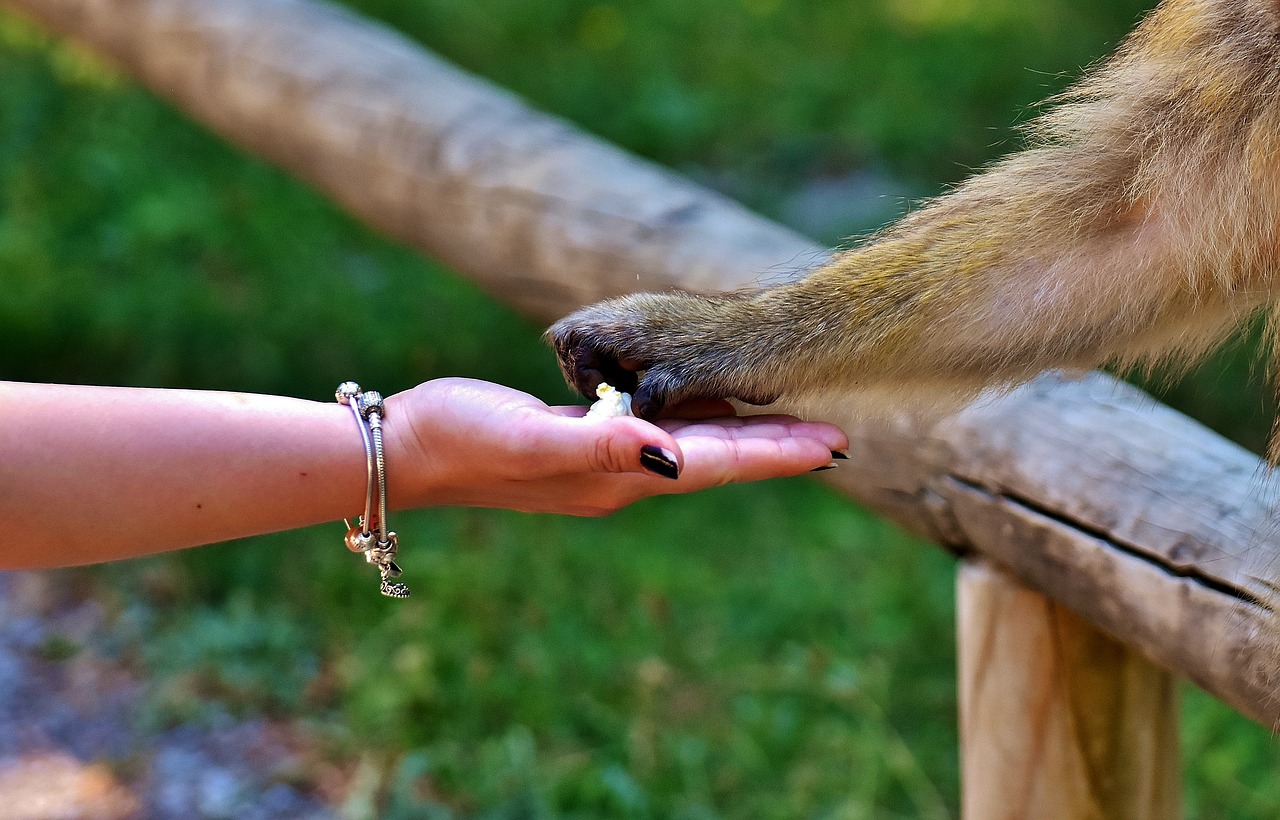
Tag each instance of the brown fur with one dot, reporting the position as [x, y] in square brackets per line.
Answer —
[1142, 224]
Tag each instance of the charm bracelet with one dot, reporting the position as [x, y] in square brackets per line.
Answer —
[370, 535]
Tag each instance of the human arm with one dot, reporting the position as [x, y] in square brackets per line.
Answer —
[90, 474]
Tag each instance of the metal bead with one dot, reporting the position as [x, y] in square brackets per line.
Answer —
[346, 392]
[370, 401]
[358, 541]
[379, 552]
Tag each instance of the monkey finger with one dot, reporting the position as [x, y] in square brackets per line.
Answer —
[651, 397]
[588, 368]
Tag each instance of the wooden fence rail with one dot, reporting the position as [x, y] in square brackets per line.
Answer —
[1144, 523]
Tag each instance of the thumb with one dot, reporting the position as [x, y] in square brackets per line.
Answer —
[614, 445]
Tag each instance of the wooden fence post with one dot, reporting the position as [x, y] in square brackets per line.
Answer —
[1057, 719]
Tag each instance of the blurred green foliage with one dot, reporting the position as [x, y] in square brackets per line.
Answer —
[771, 91]
[761, 651]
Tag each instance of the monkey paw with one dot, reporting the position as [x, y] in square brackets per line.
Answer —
[664, 349]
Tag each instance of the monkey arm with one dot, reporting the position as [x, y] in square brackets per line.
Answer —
[1142, 223]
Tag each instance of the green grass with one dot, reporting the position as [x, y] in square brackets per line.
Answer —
[761, 651]
[647, 664]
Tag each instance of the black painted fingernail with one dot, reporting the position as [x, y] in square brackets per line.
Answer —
[823, 467]
[659, 461]
[839, 455]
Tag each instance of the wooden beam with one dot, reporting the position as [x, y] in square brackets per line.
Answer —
[1143, 522]
[1136, 517]
[1057, 719]
[540, 214]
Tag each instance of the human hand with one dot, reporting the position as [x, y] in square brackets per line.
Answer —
[473, 443]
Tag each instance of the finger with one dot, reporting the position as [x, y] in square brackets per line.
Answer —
[649, 399]
[711, 462]
[592, 368]
[768, 427]
[562, 445]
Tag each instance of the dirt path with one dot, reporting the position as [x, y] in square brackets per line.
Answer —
[73, 744]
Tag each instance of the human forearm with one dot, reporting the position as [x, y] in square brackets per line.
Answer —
[92, 474]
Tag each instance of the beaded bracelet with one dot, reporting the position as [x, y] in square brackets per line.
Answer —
[371, 535]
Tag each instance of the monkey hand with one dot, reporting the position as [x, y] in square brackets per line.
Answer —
[666, 349]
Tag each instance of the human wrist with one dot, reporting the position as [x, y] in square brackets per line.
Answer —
[414, 475]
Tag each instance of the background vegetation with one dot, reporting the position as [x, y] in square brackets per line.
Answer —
[762, 651]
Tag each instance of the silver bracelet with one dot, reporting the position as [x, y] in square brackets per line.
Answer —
[371, 535]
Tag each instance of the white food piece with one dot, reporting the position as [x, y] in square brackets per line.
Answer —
[612, 403]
